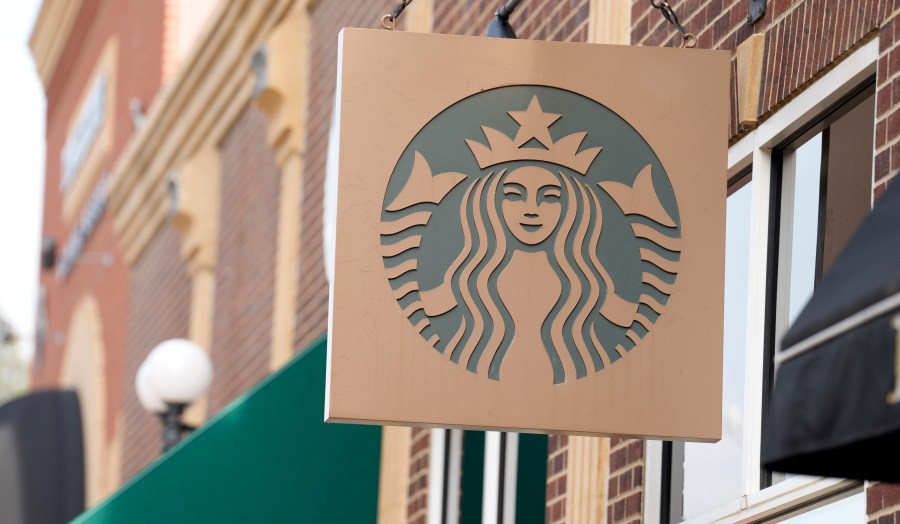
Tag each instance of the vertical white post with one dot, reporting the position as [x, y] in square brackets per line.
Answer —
[652, 480]
[756, 317]
[490, 498]
[454, 474]
[510, 474]
[436, 476]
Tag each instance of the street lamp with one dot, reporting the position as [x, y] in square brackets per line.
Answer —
[174, 375]
[500, 26]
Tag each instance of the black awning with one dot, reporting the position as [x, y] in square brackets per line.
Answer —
[41, 458]
[832, 411]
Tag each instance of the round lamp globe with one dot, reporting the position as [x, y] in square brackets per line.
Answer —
[178, 371]
[147, 397]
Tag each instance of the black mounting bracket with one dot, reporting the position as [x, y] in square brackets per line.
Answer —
[757, 10]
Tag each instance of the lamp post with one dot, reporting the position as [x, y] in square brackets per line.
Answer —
[173, 376]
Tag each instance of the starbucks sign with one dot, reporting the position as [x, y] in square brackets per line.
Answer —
[521, 245]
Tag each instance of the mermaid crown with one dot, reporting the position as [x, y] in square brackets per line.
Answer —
[534, 125]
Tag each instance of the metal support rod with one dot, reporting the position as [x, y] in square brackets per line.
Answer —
[508, 8]
[173, 429]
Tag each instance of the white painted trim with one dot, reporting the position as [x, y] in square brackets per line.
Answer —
[652, 480]
[782, 497]
[819, 96]
[742, 150]
[794, 115]
[721, 513]
[785, 261]
[454, 475]
[491, 490]
[436, 455]
[756, 319]
[861, 317]
[510, 477]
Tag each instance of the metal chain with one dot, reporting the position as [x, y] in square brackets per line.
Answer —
[389, 20]
[688, 40]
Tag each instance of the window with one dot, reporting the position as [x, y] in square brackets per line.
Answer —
[822, 193]
[488, 477]
[800, 184]
[710, 475]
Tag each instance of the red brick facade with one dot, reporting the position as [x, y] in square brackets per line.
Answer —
[883, 500]
[557, 479]
[245, 270]
[327, 19]
[159, 309]
[564, 20]
[883, 503]
[887, 105]
[419, 452]
[626, 480]
[137, 29]
[804, 39]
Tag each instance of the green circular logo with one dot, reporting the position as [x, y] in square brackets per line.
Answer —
[530, 231]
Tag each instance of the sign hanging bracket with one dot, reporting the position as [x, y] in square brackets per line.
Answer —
[757, 11]
[688, 40]
[389, 20]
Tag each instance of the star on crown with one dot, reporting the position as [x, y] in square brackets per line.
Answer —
[534, 126]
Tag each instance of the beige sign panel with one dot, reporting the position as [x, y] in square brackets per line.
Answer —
[530, 236]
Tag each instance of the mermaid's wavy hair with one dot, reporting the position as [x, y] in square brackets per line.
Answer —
[569, 334]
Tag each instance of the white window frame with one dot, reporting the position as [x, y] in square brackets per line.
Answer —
[495, 495]
[756, 149]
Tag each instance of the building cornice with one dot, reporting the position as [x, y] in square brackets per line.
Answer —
[212, 85]
[50, 34]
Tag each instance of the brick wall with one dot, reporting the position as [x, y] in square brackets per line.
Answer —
[883, 503]
[158, 309]
[887, 105]
[557, 466]
[245, 270]
[626, 481]
[883, 500]
[417, 505]
[804, 39]
[137, 27]
[327, 20]
[563, 20]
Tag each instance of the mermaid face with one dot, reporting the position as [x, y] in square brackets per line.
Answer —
[531, 204]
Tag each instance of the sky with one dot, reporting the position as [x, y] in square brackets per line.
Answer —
[22, 148]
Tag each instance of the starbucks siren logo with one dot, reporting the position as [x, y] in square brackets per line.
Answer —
[530, 231]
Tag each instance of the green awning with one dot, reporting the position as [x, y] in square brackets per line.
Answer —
[268, 457]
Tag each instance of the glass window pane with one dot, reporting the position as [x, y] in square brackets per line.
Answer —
[712, 472]
[472, 482]
[803, 188]
[531, 479]
[848, 188]
[851, 510]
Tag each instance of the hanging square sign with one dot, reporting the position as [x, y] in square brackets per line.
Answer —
[530, 236]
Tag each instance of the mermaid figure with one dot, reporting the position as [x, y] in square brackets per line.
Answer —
[528, 285]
